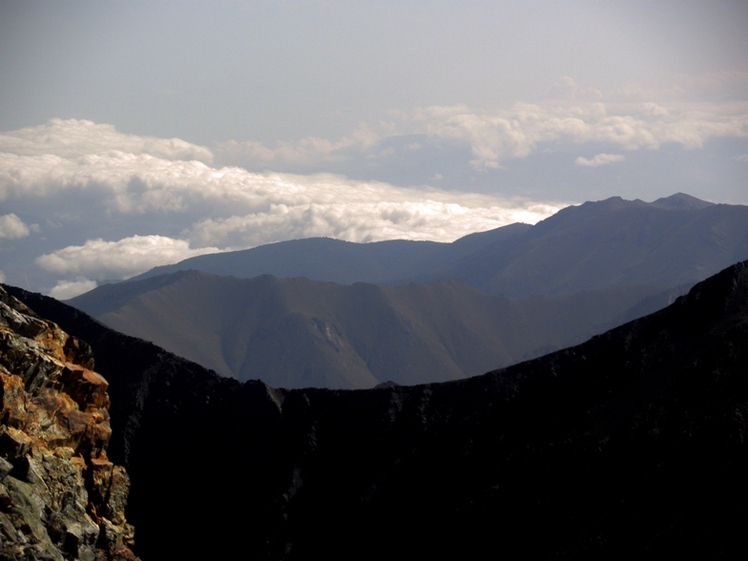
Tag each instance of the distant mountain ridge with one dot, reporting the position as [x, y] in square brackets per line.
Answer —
[672, 241]
[298, 333]
[328, 259]
[584, 270]
[669, 242]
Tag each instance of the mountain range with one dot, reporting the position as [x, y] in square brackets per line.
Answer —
[672, 241]
[631, 445]
[441, 311]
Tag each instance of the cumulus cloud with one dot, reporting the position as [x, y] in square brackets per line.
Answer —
[64, 290]
[12, 227]
[599, 160]
[121, 259]
[74, 138]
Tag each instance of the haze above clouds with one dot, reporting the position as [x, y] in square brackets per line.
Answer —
[138, 134]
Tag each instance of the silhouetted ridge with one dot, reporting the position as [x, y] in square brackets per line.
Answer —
[629, 446]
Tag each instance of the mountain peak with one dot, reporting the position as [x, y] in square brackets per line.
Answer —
[681, 201]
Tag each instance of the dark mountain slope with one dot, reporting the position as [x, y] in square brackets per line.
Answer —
[669, 242]
[301, 333]
[342, 262]
[630, 446]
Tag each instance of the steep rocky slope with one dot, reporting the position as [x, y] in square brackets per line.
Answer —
[632, 445]
[60, 496]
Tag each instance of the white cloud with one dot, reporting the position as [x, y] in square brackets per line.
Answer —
[435, 216]
[74, 138]
[12, 227]
[310, 150]
[64, 290]
[599, 160]
[577, 116]
[232, 207]
[517, 132]
[742, 158]
[121, 259]
[2, 276]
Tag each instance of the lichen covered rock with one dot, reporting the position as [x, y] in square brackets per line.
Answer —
[60, 496]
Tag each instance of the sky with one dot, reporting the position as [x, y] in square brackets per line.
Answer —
[136, 134]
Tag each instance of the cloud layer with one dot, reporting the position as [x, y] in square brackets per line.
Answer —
[187, 207]
[517, 132]
[73, 138]
[495, 136]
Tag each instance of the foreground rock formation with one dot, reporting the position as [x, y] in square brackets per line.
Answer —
[633, 445]
[60, 496]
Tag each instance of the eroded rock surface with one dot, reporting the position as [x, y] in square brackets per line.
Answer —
[60, 496]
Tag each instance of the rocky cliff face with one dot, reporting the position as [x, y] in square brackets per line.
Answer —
[60, 496]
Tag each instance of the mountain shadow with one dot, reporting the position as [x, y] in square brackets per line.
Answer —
[631, 445]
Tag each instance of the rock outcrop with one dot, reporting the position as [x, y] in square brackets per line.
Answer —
[60, 496]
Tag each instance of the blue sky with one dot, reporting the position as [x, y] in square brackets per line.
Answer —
[134, 134]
